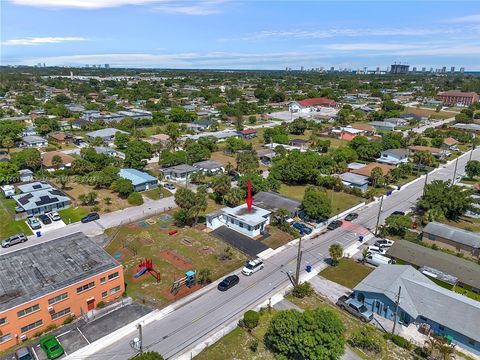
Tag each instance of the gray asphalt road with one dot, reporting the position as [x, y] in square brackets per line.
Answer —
[181, 330]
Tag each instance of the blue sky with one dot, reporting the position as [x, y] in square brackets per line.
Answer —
[241, 34]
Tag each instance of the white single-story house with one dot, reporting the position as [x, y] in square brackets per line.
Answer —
[179, 172]
[354, 180]
[250, 223]
[394, 157]
[141, 180]
[33, 141]
[209, 167]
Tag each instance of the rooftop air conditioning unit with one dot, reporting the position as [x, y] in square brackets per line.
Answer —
[50, 309]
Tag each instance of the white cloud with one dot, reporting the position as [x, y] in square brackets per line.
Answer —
[81, 4]
[185, 7]
[466, 19]
[40, 41]
[330, 33]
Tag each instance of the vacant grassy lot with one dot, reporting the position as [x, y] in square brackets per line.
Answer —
[277, 237]
[172, 255]
[8, 226]
[236, 344]
[340, 200]
[72, 215]
[107, 200]
[428, 112]
[157, 194]
[347, 273]
[222, 158]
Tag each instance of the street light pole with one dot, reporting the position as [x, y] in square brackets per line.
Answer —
[299, 260]
[455, 171]
[397, 302]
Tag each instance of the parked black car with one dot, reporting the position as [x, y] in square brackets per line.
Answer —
[303, 229]
[45, 219]
[334, 225]
[228, 282]
[351, 217]
[398, 212]
[90, 217]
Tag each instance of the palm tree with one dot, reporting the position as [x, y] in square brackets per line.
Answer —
[336, 253]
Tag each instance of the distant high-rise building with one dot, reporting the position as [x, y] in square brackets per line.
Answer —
[107, 66]
[444, 70]
[452, 69]
[414, 69]
[462, 70]
[332, 68]
[44, 65]
[431, 70]
[424, 69]
[399, 69]
[301, 68]
[87, 65]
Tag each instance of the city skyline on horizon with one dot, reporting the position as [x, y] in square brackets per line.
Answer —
[236, 35]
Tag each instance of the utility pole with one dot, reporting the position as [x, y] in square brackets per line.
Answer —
[455, 171]
[299, 260]
[425, 185]
[397, 302]
[378, 216]
[473, 147]
[140, 337]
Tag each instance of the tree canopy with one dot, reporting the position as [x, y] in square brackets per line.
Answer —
[316, 204]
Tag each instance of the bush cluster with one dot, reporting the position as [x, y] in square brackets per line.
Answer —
[302, 290]
[366, 339]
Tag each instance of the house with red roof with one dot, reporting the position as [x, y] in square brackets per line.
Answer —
[309, 105]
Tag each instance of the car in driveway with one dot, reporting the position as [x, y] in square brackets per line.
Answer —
[252, 266]
[169, 186]
[334, 224]
[34, 223]
[51, 347]
[45, 219]
[356, 308]
[398, 212]
[372, 249]
[54, 216]
[13, 240]
[24, 353]
[383, 243]
[90, 217]
[228, 282]
[351, 217]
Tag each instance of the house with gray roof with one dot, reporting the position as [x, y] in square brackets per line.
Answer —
[394, 157]
[453, 238]
[354, 180]
[179, 172]
[141, 180]
[444, 312]
[209, 167]
[273, 201]
[108, 134]
[40, 198]
[466, 273]
[382, 125]
[34, 141]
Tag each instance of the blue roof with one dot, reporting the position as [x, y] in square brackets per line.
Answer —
[136, 177]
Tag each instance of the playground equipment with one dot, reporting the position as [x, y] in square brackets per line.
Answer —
[189, 280]
[146, 266]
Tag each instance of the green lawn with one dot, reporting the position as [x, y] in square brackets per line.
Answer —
[340, 201]
[157, 194]
[9, 227]
[236, 344]
[72, 215]
[347, 273]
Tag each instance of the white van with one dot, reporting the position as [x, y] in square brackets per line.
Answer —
[376, 250]
[377, 259]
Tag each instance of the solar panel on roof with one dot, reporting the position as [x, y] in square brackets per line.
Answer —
[57, 192]
[24, 199]
[44, 200]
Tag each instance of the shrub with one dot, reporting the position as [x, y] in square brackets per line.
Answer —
[205, 276]
[38, 334]
[135, 199]
[422, 352]
[251, 319]
[254, 345]
[399, 341]
[302, 290]
[67, 320]
[100, 305]
[435, 247]
[50, 327]
[366, 339]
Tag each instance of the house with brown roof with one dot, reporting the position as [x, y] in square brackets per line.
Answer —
[60, 136]
[369, 130]
[367, 170]
[49, 164]
[438, 153]
[450, 143]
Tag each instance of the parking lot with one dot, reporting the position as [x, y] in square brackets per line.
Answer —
[78, 335]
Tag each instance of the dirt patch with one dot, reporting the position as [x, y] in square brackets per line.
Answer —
[125, 254]
[186, 242]
[207, 250]
[132, 226]
[184, 291]
[176, 260]
[145, 241]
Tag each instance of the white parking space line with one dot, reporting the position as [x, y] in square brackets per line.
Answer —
[35, 353]
[81, 333]
[65, 333]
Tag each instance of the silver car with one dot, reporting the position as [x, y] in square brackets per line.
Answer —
[13, 240]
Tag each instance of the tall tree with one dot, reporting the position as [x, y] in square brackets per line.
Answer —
[316, 203]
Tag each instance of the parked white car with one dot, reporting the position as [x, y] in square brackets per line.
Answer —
[377, 259]
[54, 216]
[252, 266]
[376, 250]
